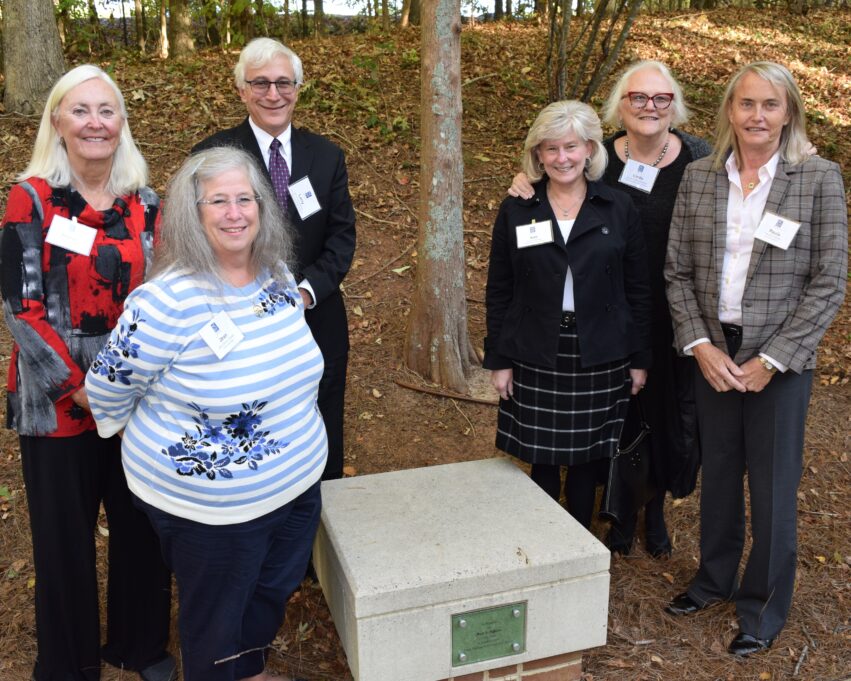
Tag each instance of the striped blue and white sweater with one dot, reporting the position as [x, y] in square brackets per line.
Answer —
[217, 441]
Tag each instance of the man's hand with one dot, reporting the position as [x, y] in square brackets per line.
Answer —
[718, 368]
[503, 382]
[306, 297]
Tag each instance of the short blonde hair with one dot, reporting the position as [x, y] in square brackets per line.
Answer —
[611, 112]
[49, 160]
[560, 119]
[794, 142]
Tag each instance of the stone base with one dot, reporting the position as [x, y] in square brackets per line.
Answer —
[558, 668]
[398, 554]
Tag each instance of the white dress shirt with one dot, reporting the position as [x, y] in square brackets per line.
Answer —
[264, 141]
[567, 303]
[744, 214]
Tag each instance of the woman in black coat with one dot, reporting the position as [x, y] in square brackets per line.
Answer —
[568, 308]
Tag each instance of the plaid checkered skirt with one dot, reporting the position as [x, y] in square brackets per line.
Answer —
[565, 416]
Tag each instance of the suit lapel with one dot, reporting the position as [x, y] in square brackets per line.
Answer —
[719, 237]
[775, 197]
[247, 140]
[302, 155]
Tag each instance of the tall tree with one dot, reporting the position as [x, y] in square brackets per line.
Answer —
[141, 28]
[162, 46]
[318, 17]
[180, 28]
[33, 64]
[437, 345]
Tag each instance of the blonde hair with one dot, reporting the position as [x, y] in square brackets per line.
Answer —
[611, 112]
[49, 159]
[793, 139]
[554, 122]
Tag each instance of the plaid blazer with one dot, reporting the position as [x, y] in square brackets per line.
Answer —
[790, 296]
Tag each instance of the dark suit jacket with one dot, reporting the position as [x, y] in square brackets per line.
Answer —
[325, 241]
[790, 296]
[606, 254]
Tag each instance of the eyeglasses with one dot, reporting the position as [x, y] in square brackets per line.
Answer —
[260, 86]
[638, 100]
[219, 204]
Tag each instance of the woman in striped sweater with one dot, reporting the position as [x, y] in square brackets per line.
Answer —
[212, 375]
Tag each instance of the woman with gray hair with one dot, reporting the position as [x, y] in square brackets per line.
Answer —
[647, 158]
[568, 308]
[77, 234]
[212, 376]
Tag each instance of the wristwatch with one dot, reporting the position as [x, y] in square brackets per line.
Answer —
[768, 366]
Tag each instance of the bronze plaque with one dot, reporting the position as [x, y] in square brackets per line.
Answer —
[480, 635]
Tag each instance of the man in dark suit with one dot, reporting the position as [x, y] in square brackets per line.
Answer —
[308, 173]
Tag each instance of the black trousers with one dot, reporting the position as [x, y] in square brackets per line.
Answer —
[761, 434]
[66, 479]
[331, 401]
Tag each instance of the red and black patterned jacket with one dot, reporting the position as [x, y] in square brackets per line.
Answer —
[60, 306]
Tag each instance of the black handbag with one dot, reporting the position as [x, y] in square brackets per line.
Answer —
[628, 484]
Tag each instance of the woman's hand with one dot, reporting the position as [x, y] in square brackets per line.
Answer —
[718, 368]
[754, 375]
[503, 382]
[81, 399]
[520, 187]
[639, 378]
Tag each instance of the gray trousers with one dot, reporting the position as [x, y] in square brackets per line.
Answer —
[761, 434]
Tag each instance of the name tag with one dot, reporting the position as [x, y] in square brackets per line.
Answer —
[221, 335]
[777, 230]
[534, 234]
[304, 198]
[639, 175]
[71, 235]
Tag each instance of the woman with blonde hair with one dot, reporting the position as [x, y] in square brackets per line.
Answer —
[77, 235]
[568, 308]
[756, 271]
[647, 158]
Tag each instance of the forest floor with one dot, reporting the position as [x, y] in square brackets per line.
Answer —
[363, 93]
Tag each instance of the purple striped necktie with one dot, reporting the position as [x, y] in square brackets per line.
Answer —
[279, 173]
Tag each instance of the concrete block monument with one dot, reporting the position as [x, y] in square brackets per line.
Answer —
[464, 571]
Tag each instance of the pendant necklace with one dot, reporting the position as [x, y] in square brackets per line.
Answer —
[657, 161]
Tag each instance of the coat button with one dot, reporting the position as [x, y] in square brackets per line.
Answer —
[605, 230]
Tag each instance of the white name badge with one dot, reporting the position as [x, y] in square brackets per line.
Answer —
[304, 198]
[534, 234]
[71, 235]
[777, 230]
[639, 175]
[221, 335]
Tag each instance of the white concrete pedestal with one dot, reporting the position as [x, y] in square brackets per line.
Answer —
[397, 554]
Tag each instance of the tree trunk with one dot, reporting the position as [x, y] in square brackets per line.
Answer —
[32, 65]
[304, 30]
[318, 18]
[414, 15]
[162, 46]
[405, 18]
[94, 23]
[385, 15]
[437, 345]
[180, 29]
[497, 10]
[260, 13]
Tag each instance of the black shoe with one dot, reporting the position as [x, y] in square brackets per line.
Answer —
[683, 604]
[662, 550]
[745, 644]
[164, 670]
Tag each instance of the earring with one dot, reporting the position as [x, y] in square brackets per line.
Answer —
[62, 142]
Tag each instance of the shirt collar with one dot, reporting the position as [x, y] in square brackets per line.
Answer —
[766, 172]
[264, 139]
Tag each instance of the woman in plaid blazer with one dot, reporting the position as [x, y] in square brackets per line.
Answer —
[756, 270]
